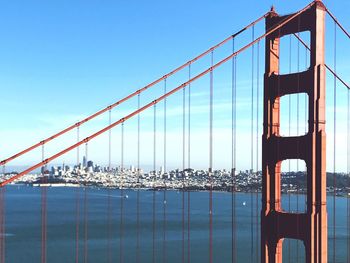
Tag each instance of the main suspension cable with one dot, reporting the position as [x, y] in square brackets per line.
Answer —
[154, 102]
[139, 91]
[327, 67]
[338, 23]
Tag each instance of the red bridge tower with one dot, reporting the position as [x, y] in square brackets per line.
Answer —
[276, 224]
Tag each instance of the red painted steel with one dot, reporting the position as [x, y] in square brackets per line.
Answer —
[276, 224]
[136, 112]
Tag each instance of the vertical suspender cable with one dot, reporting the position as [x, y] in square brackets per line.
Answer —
[183, 170]
[86, 152]
[306, 122]
[189, 167]
[210, 170]
[78, 148]
[86, 211]
[77, 204]
[109, 140]
[122, 149]
[278, 146]
[138, 185]
[306, 98]
[2, 219]
[109, 201]
[121, 252]
[334, 139]
[43, 208]
[233, 156]
[154, 189]
[252, 156]
[257, 155]
[165, 172]
[298, 111]
[348, 172]
[289, 134]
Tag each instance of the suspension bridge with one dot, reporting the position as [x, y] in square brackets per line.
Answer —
[221, 107]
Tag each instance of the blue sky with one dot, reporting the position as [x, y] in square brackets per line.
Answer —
[63, 60]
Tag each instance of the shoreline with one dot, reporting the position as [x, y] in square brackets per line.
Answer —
[191, 189]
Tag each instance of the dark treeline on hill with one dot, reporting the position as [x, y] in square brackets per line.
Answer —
[299, 178]
[341, 180]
